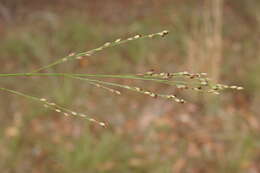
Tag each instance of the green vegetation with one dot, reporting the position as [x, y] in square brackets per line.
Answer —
[143, 134]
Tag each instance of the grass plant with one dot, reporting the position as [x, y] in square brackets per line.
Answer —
[198, 82]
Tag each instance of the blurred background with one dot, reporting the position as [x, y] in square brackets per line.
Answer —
[208, 134]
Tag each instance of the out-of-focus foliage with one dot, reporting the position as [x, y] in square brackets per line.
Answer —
[208, 134]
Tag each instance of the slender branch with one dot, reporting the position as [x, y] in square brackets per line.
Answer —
[104, 46]
[146, 78]
[54, 106]
[19, 94]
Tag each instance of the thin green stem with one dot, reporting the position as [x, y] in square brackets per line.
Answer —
[20, 94]
[93, 75]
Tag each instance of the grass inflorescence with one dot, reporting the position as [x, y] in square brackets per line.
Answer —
[180, 80]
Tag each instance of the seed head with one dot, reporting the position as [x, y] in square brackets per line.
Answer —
[165, 32]
[79, 57]
[43, 99]
[72, 54]
[57, 110]
[107, 44]
[240, 88]
[118, 40]
[137, 36]
[102, 124]
[74, 113]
